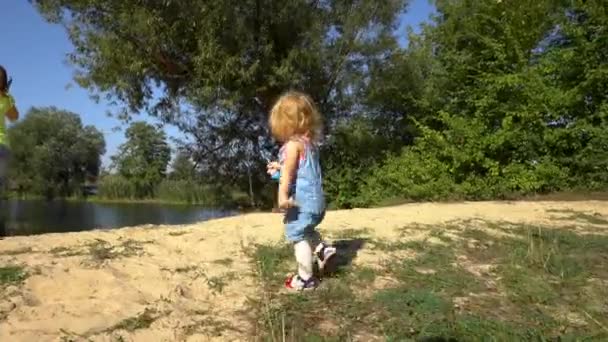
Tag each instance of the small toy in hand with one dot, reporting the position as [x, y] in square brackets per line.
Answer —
[274, 170]
[276, 175]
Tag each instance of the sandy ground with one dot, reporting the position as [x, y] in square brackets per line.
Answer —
[83, 286]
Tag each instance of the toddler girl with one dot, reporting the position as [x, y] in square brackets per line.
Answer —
[295, 122]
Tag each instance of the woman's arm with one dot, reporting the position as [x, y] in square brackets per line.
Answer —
[7, 105]
[12, 114]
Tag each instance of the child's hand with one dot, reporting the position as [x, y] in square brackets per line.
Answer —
[286, 202]
[272, 167]
[290, 203]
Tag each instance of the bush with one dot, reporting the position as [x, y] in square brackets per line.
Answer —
[186, 191]
[468, 160]
[115, 187]
[411, 175]
[349, 157]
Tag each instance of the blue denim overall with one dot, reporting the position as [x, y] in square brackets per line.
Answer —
[307, 191]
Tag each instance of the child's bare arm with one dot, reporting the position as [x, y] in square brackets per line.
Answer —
[292, 152]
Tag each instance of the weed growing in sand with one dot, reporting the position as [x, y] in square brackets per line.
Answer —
[573, 215]
[10, 275]
[530, 283]
[62, 251]
[142, 321]
[217, 283]
[205, 322]
[101, 250]
[69, 336]
[81, 339]
[187, 269]
[18, 251]
[179, 233]
[224, 262]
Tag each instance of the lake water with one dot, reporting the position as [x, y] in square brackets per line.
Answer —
[28, 217]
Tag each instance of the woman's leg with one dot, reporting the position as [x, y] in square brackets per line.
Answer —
[3, 186]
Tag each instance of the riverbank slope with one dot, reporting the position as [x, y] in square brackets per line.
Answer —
[205, 281]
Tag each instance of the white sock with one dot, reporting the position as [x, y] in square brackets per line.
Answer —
[303, 254]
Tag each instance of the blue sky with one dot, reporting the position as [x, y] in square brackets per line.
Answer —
[34, 53]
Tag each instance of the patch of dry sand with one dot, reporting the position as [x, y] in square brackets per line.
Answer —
[193, 281]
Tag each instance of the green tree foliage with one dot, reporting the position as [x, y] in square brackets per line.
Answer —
[491, 99]
[52, 153]
[142, 160]
[115, 187]
[214, 68]
[182, 167]
[522, 108]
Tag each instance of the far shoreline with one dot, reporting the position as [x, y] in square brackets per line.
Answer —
[562, 196]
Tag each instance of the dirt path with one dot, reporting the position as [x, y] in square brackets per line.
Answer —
[192, 283]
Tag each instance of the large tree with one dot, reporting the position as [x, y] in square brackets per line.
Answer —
[182, 167]
[513, 101]
[213, 68]
[143, 158]
[53, 153]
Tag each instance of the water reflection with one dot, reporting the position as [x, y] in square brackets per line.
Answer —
[27, 217]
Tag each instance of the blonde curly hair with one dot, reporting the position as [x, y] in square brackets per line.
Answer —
[295, 114]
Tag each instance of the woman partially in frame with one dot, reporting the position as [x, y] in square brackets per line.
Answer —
[8, 110]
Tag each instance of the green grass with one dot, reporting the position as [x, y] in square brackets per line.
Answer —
[10, 275]
[271, 262]
[573, 215]
[392, 246]
[351, 233]
[363, 274]
[532, 278]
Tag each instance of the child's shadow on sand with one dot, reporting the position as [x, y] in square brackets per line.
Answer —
[347, 251]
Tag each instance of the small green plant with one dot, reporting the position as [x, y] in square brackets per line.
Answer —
[206, 323]
[18, 251]
[12, 275]
[142, 321]
[179, 233]
[101, 250]
[62, 251]
[224, 262]
[216, 284]
[187, 269]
